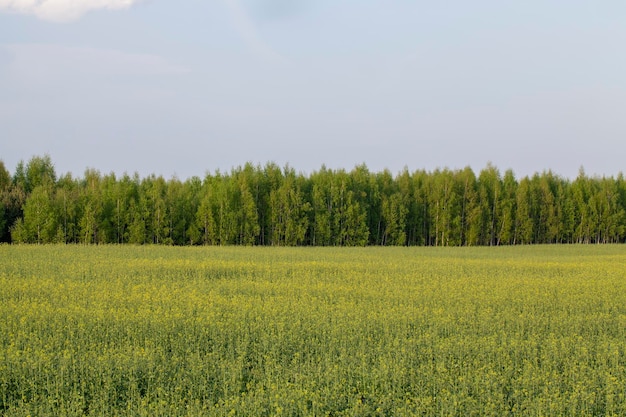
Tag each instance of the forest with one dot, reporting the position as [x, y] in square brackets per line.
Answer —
[277, 206]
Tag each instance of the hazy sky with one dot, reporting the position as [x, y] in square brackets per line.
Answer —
[182, 87]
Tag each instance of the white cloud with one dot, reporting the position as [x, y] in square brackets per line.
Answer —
[62, 10]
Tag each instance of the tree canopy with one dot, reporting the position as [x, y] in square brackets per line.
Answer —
[270, 205]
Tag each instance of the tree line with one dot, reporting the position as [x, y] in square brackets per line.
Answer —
[274, 206]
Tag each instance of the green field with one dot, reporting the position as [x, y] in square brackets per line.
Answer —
[216, 331]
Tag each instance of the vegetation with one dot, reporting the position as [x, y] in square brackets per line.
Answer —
[279, 207]
[217, 331]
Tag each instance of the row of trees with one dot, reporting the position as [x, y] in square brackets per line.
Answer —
[269, 205]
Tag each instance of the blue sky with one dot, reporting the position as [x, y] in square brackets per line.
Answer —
[189, 86]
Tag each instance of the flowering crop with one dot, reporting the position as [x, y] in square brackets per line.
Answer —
[217, 331]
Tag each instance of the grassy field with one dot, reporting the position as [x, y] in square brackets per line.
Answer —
[162, 331]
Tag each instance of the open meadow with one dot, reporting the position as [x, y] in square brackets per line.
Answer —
[221, 331]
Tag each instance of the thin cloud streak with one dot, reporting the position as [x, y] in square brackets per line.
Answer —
[62, 11]
[47, 63]
[249, 34]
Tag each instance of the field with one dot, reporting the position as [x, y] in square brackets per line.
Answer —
[222, 331]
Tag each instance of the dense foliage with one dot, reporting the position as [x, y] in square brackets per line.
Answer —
[269, 205]
[232, 331]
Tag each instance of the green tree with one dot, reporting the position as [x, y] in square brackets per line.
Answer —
[566, 214]
[5, 177]
[322, 203]
[154, 190]
[19, 176]
[111, 210]
[543, 207]
[611, 215]
[13, 200]
[91, 205]
[506, 209]
[137, 215]
[394, 215]
[348, 218]
[406, 189]
[445, 209]
[420, 200]
[466, 185]
[205, 220]
[489, 189]
[118, 196]
[245, 210]
[225, 218]
[266, 182]
[383, 214]
[584, 214]
[366, 188]
[523, 233]
[288, 212]
[339, 219]
[192, 191]
[89, 223]
[176, 202]
[39, 223]
[5, 183]
[621, 203]
[67, 207]
[39, 171]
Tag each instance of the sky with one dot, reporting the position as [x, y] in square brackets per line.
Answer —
[186, 87]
